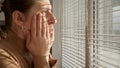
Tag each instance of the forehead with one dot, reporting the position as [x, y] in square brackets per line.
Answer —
[43, 1]
[42, 4]
[39, 6]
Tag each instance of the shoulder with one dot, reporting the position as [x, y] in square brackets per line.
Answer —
[7, 60]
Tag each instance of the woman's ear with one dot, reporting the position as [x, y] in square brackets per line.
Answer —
[18, 18]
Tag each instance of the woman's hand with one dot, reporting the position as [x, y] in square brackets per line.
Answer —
[39, 39]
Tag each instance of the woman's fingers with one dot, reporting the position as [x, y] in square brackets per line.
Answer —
[43, 27]
[39, 24]
[47, 31]
[38, 38]
[33, 27]
[39, 27]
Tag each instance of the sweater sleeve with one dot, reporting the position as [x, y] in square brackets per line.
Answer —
[6, 61]
[52, 62]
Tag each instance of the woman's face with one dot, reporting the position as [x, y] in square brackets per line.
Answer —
[43, 7]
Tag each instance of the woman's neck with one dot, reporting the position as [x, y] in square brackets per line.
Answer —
[14, 39]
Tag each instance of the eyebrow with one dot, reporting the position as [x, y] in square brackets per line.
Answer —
[46, 7]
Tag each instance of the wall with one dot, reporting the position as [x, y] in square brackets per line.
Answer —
[56, 49]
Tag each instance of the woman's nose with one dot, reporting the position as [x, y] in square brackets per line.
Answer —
[51, 19]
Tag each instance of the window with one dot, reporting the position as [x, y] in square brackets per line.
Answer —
[106, 34]
[96, 21]
[73, 40]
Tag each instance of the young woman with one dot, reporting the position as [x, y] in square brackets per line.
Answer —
[28, 34]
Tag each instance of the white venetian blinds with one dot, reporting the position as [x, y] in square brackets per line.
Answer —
[99, 32]
[73, 40]
[105, 36]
